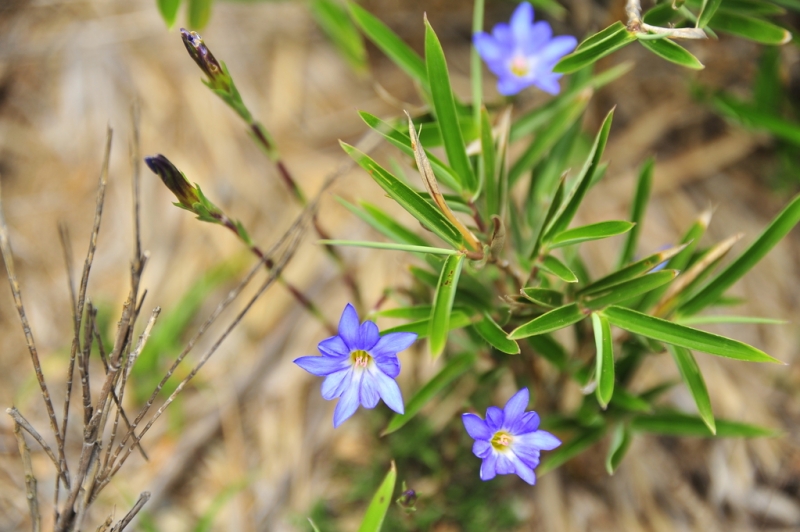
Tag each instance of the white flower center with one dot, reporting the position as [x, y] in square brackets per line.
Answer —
[520, 66]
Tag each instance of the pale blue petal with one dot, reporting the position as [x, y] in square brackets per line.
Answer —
[527, 453]
[368, 392]
[348, 402]
[388, 390]
[504, 465]
[368, 335]
[334, 346]
[521, 22]
[511, 85]
[335, 383]
[502, 34]
[549, 84]
[488, 47]
[488, 470]
[321, 366]
[476, 427]
[529, 422]
[523, 471]
[557, 48]
[481, 448]
[539, 439]
[515, 407]
[540, 33]
[494, 418]
[393, 343]
[348, 327]
[388, 364]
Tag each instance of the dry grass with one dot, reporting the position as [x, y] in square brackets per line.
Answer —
[67, 68]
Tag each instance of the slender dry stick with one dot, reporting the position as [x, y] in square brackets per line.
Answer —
[633, 9]
[140, 502]
[20, 420]
[8, 258]
[30, 480]
[83, 363]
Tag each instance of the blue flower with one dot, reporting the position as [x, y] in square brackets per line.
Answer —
[523, 53]
[509, 441]
[359, 366]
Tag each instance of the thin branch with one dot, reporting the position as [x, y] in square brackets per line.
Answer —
[20, 420]
[83, 363]
[136, 163]
[143, 498]
[633, 9]
[30, 480]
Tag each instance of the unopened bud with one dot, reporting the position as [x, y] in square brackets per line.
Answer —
[408, 499]
[205, 59]
[174, 179]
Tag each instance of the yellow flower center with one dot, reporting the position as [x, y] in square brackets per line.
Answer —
[501, 440]
[519, 66]
[360, 358]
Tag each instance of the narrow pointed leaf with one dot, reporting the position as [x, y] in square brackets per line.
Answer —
[488, 167]
[389, 245]
[678, 424]
[550, 321]
[458, 320]
[384, 224]
[445, 109]
[416, 313]
[596, 47]
[604, 359]
[408, 198]
[544, 297]
[707, 12]
[693, 378]
[584, 180]
[454, 368]
[549, 349]
[199, 13]
[680, 335]
[550, 264]
[627, 273]
[638, 209]
[773, 234]
[496, 336]
[752, 28]
[627, 401]
[570, 449]
[752, 117]
[390, 44]
[334, 20]
[443, 303]
[168, 10]
[590, 232]
[631, 289]
[672, 52]
[376, 511]
[620, 442]
[702, 320]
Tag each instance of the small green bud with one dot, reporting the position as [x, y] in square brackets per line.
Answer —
[175, 180]
[217, 77]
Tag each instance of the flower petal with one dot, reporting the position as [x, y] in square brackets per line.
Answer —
[488, 47]
[388, 390]
[523, 471]
[557, 48]
[348, 327]
[321, 366]
[393, 343]
[488, 470]
[504, 465]
[494, 418]
[481, 448]
[502, 34]
[529, 422]
[334, 384]
[348, 402]
[549, 84]
[368, 394]
[540, 439]
[476, 427]
[540, 33]
[368, 335]
[510, 85]
[515, 407]
[334, 346]
[388, 364]
[521, 22]
[529, 454]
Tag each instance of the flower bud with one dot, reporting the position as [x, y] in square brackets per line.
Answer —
[174, 179]
[205, 59]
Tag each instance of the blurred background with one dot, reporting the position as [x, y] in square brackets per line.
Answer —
[250, 446]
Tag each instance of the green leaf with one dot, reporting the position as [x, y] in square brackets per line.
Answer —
[596, 47]
[604, 359]
[672, 52]
[458, 320]
[445, 109]
[620, 442]
[677, 424]
[550, 264]
[390, 44]
[569, 450]
[401, 140]
[389, 245]
[549, 321]
[314, 526]
[661, 15]
[495, 335]
[629, 272]
[416, 312]
[454, 368]
[544, 297]
[753, 7]
[584, 180]
[638, 209]
[755, 29]
[408, 198]
[701, 320]
[707, 12]
[552, 7]
[630, 289]
[550, 350]
[752, 117]
[168, 10]
[773, 234]
[555, 205]
[376, 511]
[199, 13]
[332, 17]
[384, 224]
[693, 378]
[627, 401]
[589, 232]
[680, 335]
[443, 303]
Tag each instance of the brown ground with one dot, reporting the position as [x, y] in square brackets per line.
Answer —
[68, 68]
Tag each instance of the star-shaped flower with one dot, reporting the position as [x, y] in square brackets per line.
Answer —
[509, 441]
[359, 366]
[523, 53]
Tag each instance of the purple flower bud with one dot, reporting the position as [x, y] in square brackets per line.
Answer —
[174, 179]
[205, 59]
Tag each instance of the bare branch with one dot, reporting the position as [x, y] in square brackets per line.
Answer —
[143, 498]
[30, 480]
[633, 9]
[20, 420]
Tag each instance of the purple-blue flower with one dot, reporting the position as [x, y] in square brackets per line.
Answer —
[523, 53]
[508, 440]
[359, 366]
